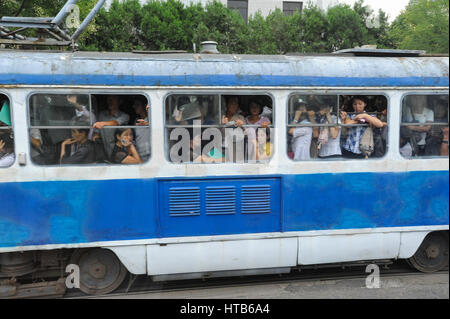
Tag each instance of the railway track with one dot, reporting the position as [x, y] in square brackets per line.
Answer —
[139, 285]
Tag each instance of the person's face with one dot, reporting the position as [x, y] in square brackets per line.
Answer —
[324, 110]
[302, 108]
[418, 102]
[232, 106]
[439, 111]
[358, 105]
[138, 107]
[255, 109]
[126, 138]
[78, 136]
[113, 102]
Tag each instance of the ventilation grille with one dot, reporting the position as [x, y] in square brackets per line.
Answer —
[184, 201]
[220, 200]
[255, 199]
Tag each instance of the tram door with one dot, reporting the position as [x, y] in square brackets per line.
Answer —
[215, 206]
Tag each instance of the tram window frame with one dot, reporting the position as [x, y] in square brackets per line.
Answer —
[338, 94]
[91, 96]
[8, 127]
[427, 94]
[222, 96]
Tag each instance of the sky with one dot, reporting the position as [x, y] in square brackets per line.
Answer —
[392, 7]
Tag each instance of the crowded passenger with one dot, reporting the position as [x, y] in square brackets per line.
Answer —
[254, 118]
[234, 139]
[302, 135]
[329, 136]
[111, 117]
[142, 132]
[124, 151]
[436, 144]
[6, 149]
[351, 147]
[416, 111]
[78, 149]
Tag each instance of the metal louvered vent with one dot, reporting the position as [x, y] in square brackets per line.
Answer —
[221, 200]
[255, 199]
[184, 201]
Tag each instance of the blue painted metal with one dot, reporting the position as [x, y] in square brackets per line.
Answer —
[122, 69]
[51, 212]
[220, 80]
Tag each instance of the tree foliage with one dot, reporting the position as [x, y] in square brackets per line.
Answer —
[168, 24]
[423, 25]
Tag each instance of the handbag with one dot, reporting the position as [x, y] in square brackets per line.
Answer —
[366, 145]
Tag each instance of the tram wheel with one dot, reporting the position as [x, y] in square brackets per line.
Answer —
[101, 272]
[432, 254]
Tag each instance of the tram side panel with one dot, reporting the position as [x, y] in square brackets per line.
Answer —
[71, 212]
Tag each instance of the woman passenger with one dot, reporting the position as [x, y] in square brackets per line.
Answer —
[78, 149]
[331, 148]
[124, 152]
[254, 118]
[301, 142]
[354, 134]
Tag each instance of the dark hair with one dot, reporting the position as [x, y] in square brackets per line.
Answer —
[119, 131]
[359, 97]
[82, 130]
[141, 100]
[232, 97]
[257, 103]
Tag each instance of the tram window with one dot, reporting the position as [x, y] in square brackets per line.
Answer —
[7, 156]
[333, 126]
[424, 128]
[89, 128]
[215, 128]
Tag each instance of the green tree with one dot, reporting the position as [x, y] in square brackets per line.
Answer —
[346, 28]
[424, 25]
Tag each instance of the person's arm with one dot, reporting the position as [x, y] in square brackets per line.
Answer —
[371, 120]
[334, 131]
[77, 157]
[444, 143]
[100, 125]
[133, 156]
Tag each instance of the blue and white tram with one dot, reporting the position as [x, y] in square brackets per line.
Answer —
[185, 220]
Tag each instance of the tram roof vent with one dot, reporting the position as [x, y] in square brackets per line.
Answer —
[371, 50]
[209, 47]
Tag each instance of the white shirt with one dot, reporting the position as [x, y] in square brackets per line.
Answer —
[333, 146]
[302, 142]
[427, 115]
[7, 160]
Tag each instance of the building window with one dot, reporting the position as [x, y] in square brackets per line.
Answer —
[424, 128]
[290, 7]
[241, 6]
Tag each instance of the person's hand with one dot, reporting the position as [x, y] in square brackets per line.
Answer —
[69, 141]
[265, 124]
[361, 117]
[99, 125]
[343, 116]
[239, 123]
[72, 99]
[297, 114]
[142, 123]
